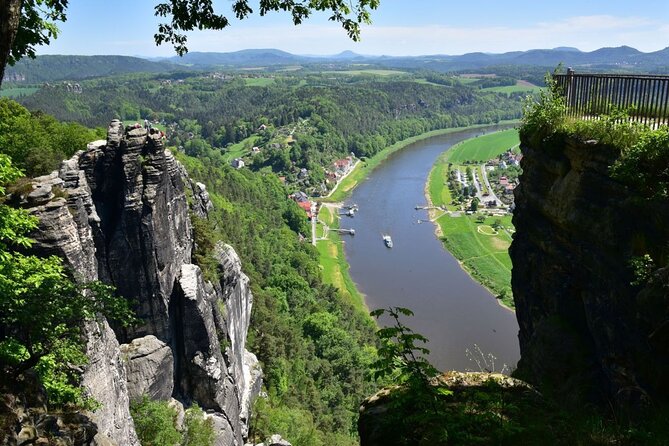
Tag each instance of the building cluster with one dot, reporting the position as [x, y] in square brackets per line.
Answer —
[340, 168]
[303, 201]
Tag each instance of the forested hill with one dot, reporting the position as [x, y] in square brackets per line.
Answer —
[50, 68]
[54, 68]
[307, 121]
[617, 58]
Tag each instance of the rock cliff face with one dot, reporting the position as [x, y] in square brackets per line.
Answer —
[119, 212]
[584, 327]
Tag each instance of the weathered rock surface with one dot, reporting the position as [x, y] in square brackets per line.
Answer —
[149, 365]
[118, 212]
[25, 421]
[583, 326]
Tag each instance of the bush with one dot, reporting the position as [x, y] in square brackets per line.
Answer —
[199, 431]
[155, 422]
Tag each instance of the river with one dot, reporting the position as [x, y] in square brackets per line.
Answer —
[452, 310]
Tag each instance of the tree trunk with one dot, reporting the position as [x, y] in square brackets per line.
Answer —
[10, 16]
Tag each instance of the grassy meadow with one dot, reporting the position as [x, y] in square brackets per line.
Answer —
[481, 249]
[482, 148]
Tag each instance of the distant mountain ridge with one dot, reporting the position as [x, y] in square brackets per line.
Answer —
[50, 68]
[623, 56]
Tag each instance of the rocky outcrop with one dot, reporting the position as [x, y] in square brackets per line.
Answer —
[24, 419]
[119, 212]
[457, 410]
[586, 324]
[149, 365]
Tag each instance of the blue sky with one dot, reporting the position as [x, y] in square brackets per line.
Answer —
[400, 27]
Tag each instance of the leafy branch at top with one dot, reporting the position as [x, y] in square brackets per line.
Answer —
[188, 15]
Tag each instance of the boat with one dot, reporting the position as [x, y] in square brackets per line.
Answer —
[388, 241]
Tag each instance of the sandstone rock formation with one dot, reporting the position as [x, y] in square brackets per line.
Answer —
[119, 212]
[584, 326]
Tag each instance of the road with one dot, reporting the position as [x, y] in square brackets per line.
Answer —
[492, 195]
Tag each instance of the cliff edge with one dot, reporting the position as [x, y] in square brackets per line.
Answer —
[589, 325]
[119, 212]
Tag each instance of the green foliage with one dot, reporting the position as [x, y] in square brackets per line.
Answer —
[645, 164]
[315, 348]
[205, 241]
[36, 142]
[296, 424]
[544, 114]
[36, 27]
[642, 268]
[331, 118]
[188, 15]
[42, 310]
[199, 431]
[155, 423]
[400, 358]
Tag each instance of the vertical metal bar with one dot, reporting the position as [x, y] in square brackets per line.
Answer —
[665, 99]
[634, 97]
[645, 99]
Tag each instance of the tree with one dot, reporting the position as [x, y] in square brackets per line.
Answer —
[42, 311]
[25, 24]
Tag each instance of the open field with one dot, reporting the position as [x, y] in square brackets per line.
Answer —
[240, 149]
[520, 87]
[363, 169]
[333, 261]
[483, 253]
[425, 81]
[370, 71]
[478, 241]
[440, 194]
[482, 148]
[15, 92]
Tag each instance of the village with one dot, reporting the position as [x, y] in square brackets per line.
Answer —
[485, 186]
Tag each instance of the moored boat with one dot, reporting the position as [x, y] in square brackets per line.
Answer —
[388, 241]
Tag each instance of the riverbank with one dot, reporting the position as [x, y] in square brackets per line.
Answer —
[363, 169]
[335, 267]
[332, 258]
[479, 240]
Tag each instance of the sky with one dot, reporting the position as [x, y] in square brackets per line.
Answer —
[399, 28]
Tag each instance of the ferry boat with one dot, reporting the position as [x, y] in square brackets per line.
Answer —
[388, 241]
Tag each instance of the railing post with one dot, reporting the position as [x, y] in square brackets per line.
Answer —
[569, 90]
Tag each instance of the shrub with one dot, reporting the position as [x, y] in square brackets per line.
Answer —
[155, 422]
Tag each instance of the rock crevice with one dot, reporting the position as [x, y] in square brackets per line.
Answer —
[118, 212]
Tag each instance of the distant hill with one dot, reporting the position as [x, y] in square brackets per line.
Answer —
[54, 68]
[618, 58]
[255, 57]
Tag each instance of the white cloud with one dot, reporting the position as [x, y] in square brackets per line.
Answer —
[584, 32]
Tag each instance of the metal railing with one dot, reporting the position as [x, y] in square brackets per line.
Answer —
[644, 97]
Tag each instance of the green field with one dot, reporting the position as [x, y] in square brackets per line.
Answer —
[468, 80]
[15, 92]
[333, 262]
[371, 72]
[520, 87]
[482, 148]
[240, 149]
[484, 256]
[481, 250]
[440, 195]
[258, 81]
